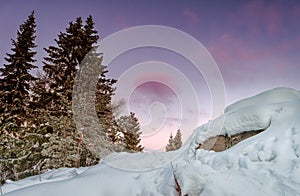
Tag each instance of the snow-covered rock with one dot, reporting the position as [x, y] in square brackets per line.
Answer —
[265, 164]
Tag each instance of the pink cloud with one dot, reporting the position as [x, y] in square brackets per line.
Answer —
[229, 50]
[156, 89]
[155, 76]
[191, 16]
[150, 92]
[141, 102]
[296, 11]
[258, 17]
[273, 20]
[286, 46]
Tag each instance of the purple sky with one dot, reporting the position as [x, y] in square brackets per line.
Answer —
[255, 43]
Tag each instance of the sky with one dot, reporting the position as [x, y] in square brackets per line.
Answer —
[254, 43]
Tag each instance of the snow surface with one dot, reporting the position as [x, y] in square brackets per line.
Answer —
[265, 164]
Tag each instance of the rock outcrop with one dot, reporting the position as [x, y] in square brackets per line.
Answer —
[223, 142]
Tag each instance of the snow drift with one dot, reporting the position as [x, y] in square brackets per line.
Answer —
[265, 164]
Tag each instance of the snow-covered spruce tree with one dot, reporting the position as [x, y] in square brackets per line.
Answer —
[53, 97]
[178, 139]
[63, 61]
[130, 128]
[170, 146]
[19, 150]
[15, 77]
[174, 143]
[104, 108]
[92, 106]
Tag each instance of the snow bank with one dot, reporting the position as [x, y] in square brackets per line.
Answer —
[273, 96]
[265, 164]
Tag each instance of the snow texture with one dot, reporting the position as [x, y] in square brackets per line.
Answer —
[265, 164]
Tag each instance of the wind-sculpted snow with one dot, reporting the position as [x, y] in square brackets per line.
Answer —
[264, 164]
[273, 96]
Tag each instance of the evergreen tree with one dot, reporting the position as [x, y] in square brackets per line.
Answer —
[64, 60]
[178, 140]
[92, 105]
[15, 77]
[104, 108]
[170, 146]
[130, 128]
[53, 97]
[19, 151]
[174, 143]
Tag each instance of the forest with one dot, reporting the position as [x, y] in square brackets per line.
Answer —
[37, 127]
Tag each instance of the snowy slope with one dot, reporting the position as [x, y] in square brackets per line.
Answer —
[265, 164]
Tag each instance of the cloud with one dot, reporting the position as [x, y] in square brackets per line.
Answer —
[150, 92]
[154, 76]
[296, 11]
[288, 45]
[274, 20]
[155, 88]
[191, 16]
[260, 19]
[260, 30]
[174, 119]
[230, 50]
[147, 96]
